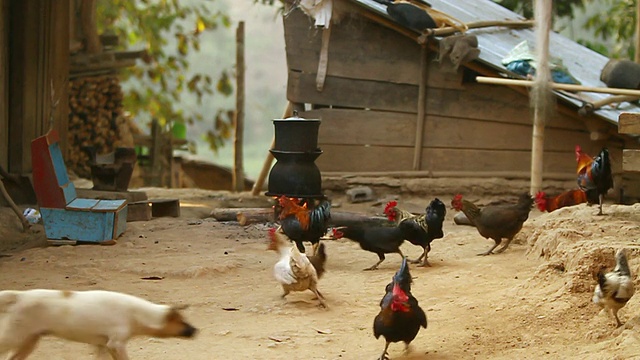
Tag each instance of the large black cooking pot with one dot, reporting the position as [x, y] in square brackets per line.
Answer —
[295, 174]
[296, 134]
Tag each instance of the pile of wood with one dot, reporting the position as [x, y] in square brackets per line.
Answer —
[96, 118]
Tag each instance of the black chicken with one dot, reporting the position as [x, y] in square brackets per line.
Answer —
[409, 15]
[400, 316]
[594, 175]
[427, 228]
[302, 224]
[379, 239]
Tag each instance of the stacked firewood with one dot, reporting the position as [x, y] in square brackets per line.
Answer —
[96, 118]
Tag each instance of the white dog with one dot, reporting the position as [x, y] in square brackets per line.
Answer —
[103, 318]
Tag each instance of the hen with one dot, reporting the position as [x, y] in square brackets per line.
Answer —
[567, 198]
[379, 239]
[615, 288]
[594, 175]
[400, 316]
[301, 224]
[496, 222]
[294, 270]
[427, 226]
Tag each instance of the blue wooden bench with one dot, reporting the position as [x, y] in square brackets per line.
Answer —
[65, 216]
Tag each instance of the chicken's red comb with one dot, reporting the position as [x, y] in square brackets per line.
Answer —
[272, 232]
[458, 197]
[390, 205]
[541, 201]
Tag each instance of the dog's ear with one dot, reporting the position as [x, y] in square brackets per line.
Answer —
[180, 307]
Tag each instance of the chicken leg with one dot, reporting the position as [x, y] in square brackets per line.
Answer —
[384, 355]
[504, 247]
[381, 256]
[600, 200]
[490, 251]
[424, 255]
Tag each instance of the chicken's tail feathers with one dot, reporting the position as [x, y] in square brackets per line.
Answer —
[622, 266]
[541, 201]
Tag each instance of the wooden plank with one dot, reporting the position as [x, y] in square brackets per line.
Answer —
[365, 158]
[629, 123]
[390, 57]
[379, 158]
[498, 104]
[363, 127]
[343, 92]
[631, 160]
[4, 88]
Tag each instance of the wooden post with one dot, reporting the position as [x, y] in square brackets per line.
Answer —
[422, 103]
[266, 166]
[89, 26]
[541, 91]
[238, 167]
[637, 50]
[156, 154]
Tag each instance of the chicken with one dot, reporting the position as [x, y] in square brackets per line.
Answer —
[594, 175]
[301, 224]
[409, 15]
[496, 222]
[428, 226]
[294, 270]
[378, 239]
[614, 288]
[567, 198]
[400, 316]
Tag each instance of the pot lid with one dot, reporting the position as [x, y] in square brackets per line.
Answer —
[296, 117]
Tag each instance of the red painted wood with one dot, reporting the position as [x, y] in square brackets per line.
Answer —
[48, 192]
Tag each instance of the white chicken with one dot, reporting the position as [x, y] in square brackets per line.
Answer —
[616, 287]
[293, 271]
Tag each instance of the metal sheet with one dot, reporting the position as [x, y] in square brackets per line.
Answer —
[495, 42]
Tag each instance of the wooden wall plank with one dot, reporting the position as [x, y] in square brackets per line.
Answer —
[631, 160]
[360, 127]
[358, 158]
[301, 88]
[629, 123]
[4, 82]
[380, 54]
[476, 101]
[382, 128]
[365, 158]
[39, 58]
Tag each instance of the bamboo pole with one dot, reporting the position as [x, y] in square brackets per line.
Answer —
[541, 91]
[557, 86]
[266, 166]
[422, 104]
[238, 166]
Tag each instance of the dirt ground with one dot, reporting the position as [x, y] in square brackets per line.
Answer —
[531, 302]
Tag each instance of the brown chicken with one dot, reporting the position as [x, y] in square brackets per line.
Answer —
[496, 222]
[548, 203]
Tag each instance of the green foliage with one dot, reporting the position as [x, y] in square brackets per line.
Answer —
[618, 25]
[164, 77]
[525, 8]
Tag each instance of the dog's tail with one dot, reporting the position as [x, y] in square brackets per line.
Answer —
[7, 299]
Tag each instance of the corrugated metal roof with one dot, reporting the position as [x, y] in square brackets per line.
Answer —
[496, 42]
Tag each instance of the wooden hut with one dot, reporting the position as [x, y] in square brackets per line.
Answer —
[388, 108]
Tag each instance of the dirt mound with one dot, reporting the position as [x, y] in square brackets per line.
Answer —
[577, 243]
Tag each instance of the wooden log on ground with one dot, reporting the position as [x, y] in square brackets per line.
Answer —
[231, 214]
[247, 216]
